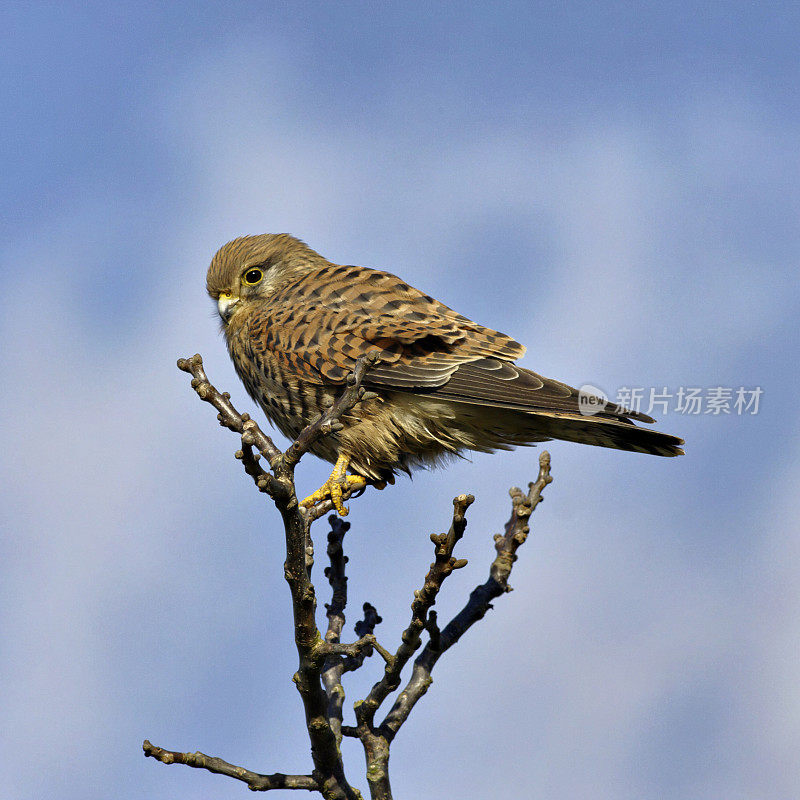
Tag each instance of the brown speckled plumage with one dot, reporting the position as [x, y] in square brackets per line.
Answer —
[444, 383]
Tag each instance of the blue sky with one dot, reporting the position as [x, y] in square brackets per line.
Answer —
[616, 186]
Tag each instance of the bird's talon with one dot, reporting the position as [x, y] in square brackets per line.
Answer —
[335, 487]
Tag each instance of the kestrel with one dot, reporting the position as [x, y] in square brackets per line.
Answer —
[295, 324]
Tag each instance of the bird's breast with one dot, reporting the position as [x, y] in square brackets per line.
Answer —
[289, 402]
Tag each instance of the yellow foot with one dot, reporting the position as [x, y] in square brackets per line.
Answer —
[338, 483]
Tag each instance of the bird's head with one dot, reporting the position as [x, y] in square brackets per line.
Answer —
[251, 268]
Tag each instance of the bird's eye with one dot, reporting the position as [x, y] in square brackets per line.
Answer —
[252, 276]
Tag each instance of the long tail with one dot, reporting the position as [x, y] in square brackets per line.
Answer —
[518, 406]
[619, 434]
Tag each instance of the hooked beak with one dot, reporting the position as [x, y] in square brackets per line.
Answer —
[226, 305]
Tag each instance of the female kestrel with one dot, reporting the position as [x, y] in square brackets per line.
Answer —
[295, 324]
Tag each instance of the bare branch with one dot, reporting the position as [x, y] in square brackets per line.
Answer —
[376, 742]
[366, 627]
[424, 598]
[228, 416]
[432, 627]
[371, 620]
[359, 648]
[335, 573]
[322, 663]
[254, 780]
[334, 667]
[506, 545]
[328, 771]
[264, 481]
[329, 421]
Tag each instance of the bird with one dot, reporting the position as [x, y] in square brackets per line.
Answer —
[295, 325]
